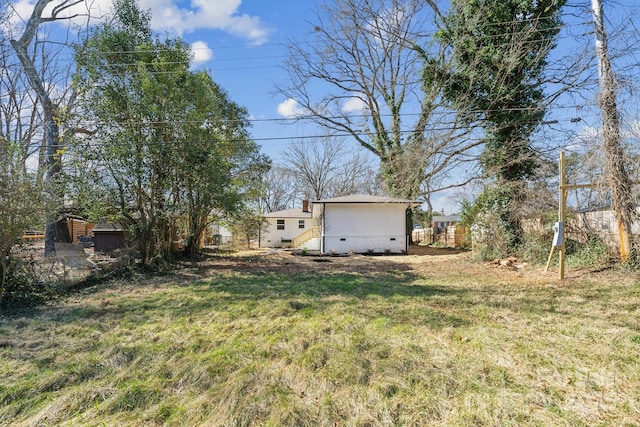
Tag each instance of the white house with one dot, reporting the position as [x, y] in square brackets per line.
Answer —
[600, 221]
[444, 221]
[283, 227]
[219, 234]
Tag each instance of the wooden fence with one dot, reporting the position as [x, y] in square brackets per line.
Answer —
[452, 236]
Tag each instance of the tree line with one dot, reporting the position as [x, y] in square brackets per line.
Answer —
[458, 92]
[140, 139]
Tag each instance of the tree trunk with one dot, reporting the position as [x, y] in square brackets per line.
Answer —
[197, 226]
[51, 131]
[52, 172]
[615, 158]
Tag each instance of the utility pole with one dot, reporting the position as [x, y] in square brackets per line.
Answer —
[614, 155]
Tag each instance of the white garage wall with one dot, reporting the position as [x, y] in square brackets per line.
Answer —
[364, 227]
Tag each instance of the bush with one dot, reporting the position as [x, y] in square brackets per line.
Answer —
[494, 221]
[22, 205]
[491, 239]
[593, 253]
[536, 247]
[24, 285]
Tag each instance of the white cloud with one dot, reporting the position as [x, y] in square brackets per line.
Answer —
[632, 130]
[585, 139]
[168, 16]
[354, 105]
[96, 9]
[201, 52]
[387, 20]
[205, 14]
[290, 108]
[592, 137]
[588, 134]
[22, 10]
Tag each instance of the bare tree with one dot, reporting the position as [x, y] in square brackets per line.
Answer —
[586, 167]
[20, 203]
[279, 191]
[327, 168]
[355, 175]
[19, 113]
[367, 65]
[614, 154]
[53, 114]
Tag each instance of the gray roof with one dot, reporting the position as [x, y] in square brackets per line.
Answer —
[108, 227]
[288, 213]
[600, 208]
[446, 218]
[366, 198]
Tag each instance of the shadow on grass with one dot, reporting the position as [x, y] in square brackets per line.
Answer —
[319, 284]
[396, 296]
[248, 286]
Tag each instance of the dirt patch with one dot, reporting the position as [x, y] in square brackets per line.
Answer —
[420, 260]
[425, 261]
[422, 250]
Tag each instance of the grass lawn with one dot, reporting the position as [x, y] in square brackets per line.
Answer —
[358, 341]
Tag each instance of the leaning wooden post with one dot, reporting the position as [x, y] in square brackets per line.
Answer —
[558, 228]
[562, 213]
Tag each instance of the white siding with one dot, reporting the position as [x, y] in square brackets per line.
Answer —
[364, 227]
[222, 231]
[273, 238]
[602, 223]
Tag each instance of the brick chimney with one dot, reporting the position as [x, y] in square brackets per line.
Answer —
[305, 206]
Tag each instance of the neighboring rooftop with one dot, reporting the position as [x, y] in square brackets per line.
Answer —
[108, 227]
[446, 218]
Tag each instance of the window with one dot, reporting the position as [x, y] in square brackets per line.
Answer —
[301, 223]
[280, 224]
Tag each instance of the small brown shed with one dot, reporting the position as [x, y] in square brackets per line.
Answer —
[108, 237]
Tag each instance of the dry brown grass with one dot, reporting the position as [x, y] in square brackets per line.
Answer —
[259, 338]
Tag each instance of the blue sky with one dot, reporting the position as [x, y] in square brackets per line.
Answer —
[242, 44]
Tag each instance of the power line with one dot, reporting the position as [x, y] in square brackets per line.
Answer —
[96, 122]
[185, 142]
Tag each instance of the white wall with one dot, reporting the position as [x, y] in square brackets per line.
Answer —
[364, 227]
[272, 237]
[602, 223]
[224, 232]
